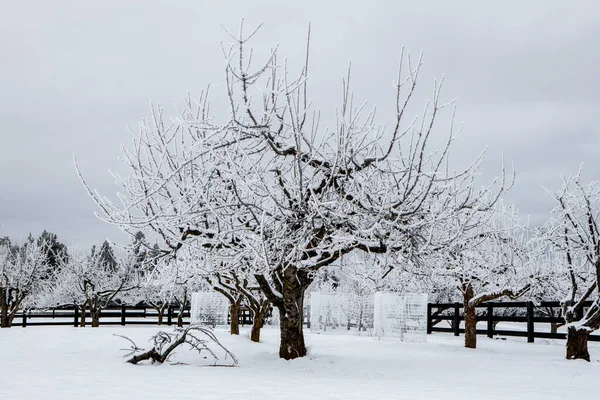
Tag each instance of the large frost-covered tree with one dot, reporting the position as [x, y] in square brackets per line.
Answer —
[574, 233]
[270, 184]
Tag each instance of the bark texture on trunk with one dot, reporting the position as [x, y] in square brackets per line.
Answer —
[470, 318]
[3, 309]
[82, 316]
[234, 324]
[258, 320]
[292, 338]
[290, 284]
[10, 301]
[95, 314]
[470, 327]
[161, 313]
[255, 332]
[291, 309]
[577, 344]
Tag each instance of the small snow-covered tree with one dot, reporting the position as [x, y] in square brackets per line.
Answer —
[23, 271]
[268, 183]
[494, 259]
[152, 292]
[573, 232]
[88, 281]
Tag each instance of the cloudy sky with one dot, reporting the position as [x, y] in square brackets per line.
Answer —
[75, 74]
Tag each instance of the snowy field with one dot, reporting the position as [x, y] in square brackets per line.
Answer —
[70, 363]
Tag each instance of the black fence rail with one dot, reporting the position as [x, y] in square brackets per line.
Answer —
[113, 315]
[119, 315]
[527, 312]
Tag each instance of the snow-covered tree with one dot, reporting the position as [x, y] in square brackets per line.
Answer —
[23, 270]
[574, 234]
[88, 281]
[271, 185]
[495, 258]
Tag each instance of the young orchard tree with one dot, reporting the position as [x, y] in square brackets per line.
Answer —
[574, 234]
[254, 299]
[269, 184]
[23, 271]
[172, 281]
[494, 260]
[240, 288]
[158, 286]
[227, 285]
[153, 294]
[88, 281]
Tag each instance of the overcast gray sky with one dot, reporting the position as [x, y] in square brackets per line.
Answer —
[74, 74]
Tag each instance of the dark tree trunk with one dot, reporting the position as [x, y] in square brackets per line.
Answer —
[295, 282]
[470, 327]
[290, 284]
[161, 313]
[234, 325]
[82, 315]
[4, 320]
[180, 317]
[256, 325]
[11, 317]
[95, 314]
[292, 338]
[577, 344]
[258, 320]
[470, 319]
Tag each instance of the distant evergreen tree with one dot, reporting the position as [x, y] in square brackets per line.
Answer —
[139, 251]
[56, 252]
[107, 256]
[13, 248]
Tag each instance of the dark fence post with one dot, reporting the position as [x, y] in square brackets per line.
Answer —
[530, 326]
[123, 315]
[456, 319]
[76, 317]
[429, 321]
[490, 320]
[24, 324]
[169, 314]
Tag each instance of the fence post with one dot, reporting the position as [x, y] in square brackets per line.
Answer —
[24, 324]
[169, 314]
[429, 321]
[456, 319]
[76, 317]
[490, 320]
[123, 315]
[530, 326]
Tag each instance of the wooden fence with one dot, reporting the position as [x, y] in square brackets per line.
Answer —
[113, 315]
[528, 313]
[116, 315]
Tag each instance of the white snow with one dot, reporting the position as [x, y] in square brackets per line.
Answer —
[86, 363]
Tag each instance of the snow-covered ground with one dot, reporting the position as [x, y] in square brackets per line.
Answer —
[70, 363]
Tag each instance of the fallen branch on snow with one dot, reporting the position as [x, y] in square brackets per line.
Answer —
[165, 344]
